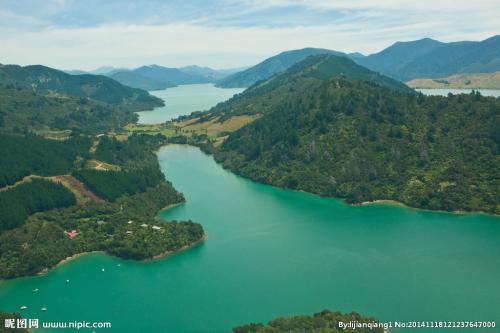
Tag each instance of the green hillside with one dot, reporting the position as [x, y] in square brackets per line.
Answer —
[47, 81]
[22, 111]
[362, 141]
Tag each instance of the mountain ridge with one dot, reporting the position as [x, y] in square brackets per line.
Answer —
[428, 58]
[271, 66]
[49, 81]
[403, 60]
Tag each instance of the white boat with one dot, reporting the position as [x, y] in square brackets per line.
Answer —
[67, 280]
[35, 290]
[102, 269]
[24, 307]
[44, 309]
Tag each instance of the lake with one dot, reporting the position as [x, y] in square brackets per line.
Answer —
[185, 99]
[445, 92]
[273, 252]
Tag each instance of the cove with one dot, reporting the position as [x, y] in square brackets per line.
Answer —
[184, 99]
[272, 252]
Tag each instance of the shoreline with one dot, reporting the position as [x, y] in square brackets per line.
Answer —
[364, 203]
[66, 260]
[170, 207]
[170, 253]
[389, 202]
[154, 258]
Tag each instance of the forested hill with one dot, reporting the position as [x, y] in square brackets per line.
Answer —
[271, 66]
[361, 141]
[299, 79]
[48, 81]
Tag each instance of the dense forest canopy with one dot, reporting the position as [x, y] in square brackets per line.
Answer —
[37, 195]
[111, 185]
[135, 152]
[33, 155]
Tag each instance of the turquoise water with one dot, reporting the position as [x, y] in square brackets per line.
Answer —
[445, 92]
[272, 252]
[185, 99]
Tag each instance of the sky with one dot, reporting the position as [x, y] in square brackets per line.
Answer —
[87, 34]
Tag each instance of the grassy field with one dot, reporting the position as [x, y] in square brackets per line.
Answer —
[54, 134]
[459, 81]
[101, 166]
[166, 130]
[214, 128]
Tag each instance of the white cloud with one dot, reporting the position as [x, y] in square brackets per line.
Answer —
[393, 5]
[365, 26]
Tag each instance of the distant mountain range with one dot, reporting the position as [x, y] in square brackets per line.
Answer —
[425, 58]
[48, 81]
[428, 58]
[155, 77]
[270, 66]
[212, 74]
[105, 70]
[404, 61]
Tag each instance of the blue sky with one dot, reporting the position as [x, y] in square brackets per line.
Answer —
[87, 34]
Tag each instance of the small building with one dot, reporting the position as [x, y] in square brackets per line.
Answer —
[129, 232]
[144, 225]
[155, 227]
[130, 222]
[72, 234]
